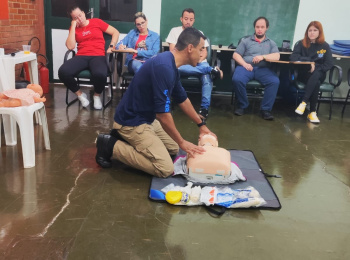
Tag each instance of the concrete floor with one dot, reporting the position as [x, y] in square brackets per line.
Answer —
[67, 207]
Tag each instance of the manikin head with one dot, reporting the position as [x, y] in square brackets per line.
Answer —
[36, 88]
[208, 140]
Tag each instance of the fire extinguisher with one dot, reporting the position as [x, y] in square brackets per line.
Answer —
[26, 71]
[43, 74]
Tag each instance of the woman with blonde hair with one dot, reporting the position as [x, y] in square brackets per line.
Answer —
[315, 49]
[141, 43]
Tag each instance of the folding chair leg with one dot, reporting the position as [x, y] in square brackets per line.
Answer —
[331, 106]
[346, 101]
[124, 86]
[70, 102]
[296, 98]
[110, 90]
[319, 101]
[104, 98]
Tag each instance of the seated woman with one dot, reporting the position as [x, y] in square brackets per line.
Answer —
[141, 43]
[88, 33]
[312, 48]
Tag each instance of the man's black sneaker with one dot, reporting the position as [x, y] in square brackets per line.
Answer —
[266, 115]
[203, 113]
[104, 144]
[215, 73]
[239, 112]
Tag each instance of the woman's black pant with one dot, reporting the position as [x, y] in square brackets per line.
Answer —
[97, 66]
[313, 82]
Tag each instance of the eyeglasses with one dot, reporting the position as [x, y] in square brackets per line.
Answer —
[140, 24]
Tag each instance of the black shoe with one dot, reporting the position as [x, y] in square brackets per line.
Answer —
[266, 115]
[215, 73]
[239, 112]
[104, 152]
[203, 113]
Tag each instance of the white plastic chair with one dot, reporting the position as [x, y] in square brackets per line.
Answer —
[24, 118]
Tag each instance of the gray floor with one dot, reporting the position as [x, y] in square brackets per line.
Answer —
[67, 207]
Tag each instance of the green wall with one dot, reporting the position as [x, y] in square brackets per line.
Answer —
[226, 21]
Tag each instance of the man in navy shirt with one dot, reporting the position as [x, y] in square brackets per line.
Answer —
[144, 135]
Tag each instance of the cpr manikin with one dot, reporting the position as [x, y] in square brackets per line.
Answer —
[22, 97]
[214, 164]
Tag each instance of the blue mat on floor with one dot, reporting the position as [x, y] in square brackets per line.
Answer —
[250, 168]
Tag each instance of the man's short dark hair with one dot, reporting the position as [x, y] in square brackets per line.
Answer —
[189, 36]
[188, 10]
[264, 18]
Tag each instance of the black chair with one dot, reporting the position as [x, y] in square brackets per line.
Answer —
[254, 87]
[347, 97]
[334, 80]
[86, 75]
[125, 76]
[193, 83]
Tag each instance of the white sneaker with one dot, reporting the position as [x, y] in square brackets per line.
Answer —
[97, 102]
[83, 100]
[301, 108]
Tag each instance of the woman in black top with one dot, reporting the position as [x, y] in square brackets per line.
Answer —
[312, 48]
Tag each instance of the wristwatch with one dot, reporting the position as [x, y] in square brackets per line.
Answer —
[111, 46]
[201, 124]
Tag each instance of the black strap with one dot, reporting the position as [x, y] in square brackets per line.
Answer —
[216, 213]
[201, 124]
[272, 175]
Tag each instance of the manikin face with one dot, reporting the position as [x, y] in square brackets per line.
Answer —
[79, 16]
[141, 24]
[260, 29]
[313, 33]
[187, 20]
[196, 53]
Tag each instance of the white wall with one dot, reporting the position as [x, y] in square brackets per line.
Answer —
[334, 16]
[152, 10]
